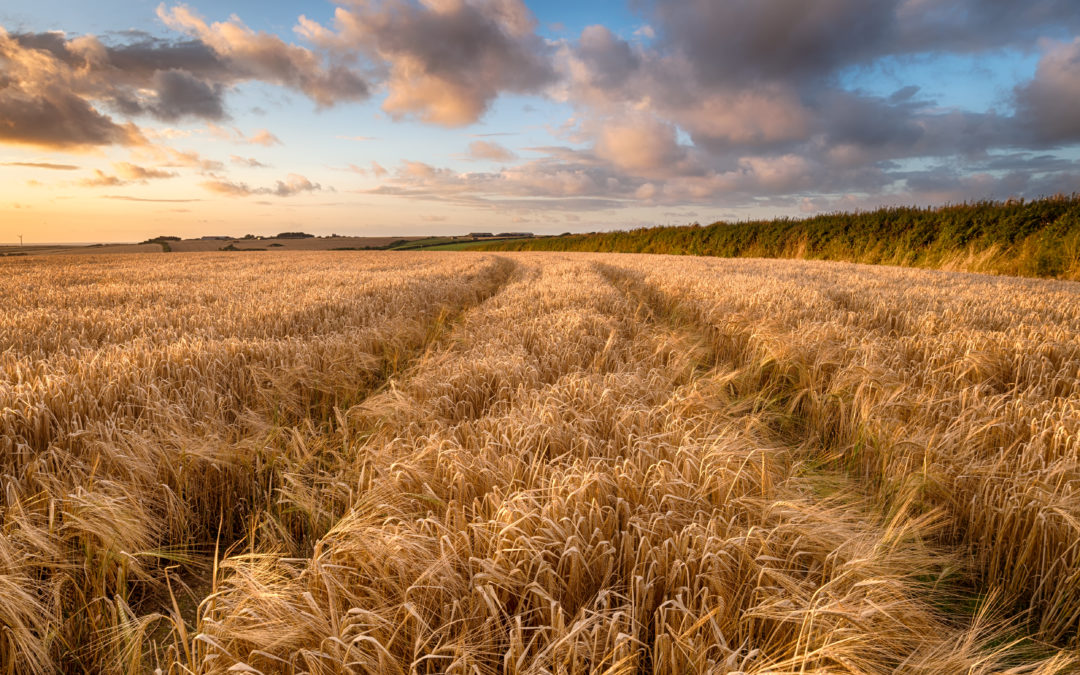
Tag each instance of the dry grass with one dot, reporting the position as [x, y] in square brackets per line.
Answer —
[468, 463]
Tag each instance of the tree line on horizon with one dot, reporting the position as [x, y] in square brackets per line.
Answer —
[1035, 238]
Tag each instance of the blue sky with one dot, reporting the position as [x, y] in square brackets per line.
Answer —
[445, 116]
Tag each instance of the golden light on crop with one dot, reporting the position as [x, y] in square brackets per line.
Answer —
[528, 463]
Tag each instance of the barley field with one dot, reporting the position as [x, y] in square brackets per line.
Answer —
[370, 462]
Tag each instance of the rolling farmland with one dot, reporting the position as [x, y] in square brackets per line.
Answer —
[469, 462]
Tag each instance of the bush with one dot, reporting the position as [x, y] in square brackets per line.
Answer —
[1013, 237]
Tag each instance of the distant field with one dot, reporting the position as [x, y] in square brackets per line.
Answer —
[198, 245]
[414, 462]
[274, 244]
[471, 244]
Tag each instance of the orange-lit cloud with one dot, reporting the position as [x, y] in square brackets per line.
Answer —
[264, 138]
[293, 184]
[125, 173]
[639, 144]
[447, 60]
[170, 157]
[249, 162]
[42, 165]
[490, 151]
[102, 179]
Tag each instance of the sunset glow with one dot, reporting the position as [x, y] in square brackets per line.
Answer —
[122, 120]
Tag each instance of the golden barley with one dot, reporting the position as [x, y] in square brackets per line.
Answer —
[530, 463]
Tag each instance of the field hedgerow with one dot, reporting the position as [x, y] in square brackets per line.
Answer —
[533, 463]
[1032, 238]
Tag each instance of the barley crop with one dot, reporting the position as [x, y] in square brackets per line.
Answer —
[535, 463]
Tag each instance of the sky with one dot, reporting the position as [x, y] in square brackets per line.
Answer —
[122, 120]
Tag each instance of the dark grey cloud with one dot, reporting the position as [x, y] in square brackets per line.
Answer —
[959, 26]
[54, 118]
[181, 94]
[954, 184]
[1049, 105]
[739, 40]
[744, 40]
[608, 59]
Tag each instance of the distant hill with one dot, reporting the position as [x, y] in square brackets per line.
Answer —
[171, 244]
[1039, 238]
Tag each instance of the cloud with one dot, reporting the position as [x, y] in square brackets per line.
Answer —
[767, 115]
[792, 40]
[744, 102]
[352, 168]
[132, 172]
[59, 120]
[60, 92]
[261, 137]
[42, 165]
[608, 61]
[268, 58]
[640, 144]
[974, 25]
[488, 150]
[41, 103]
[723, 103]
[166, 80]
[181, 94]
[293, 184]
[126, 198]
[567, 181]
[264, 138]
[101, 179]
[445, 60]
[743, 41]
[249, 162]
[125, 174]
[1047, 105]
[170, 157]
